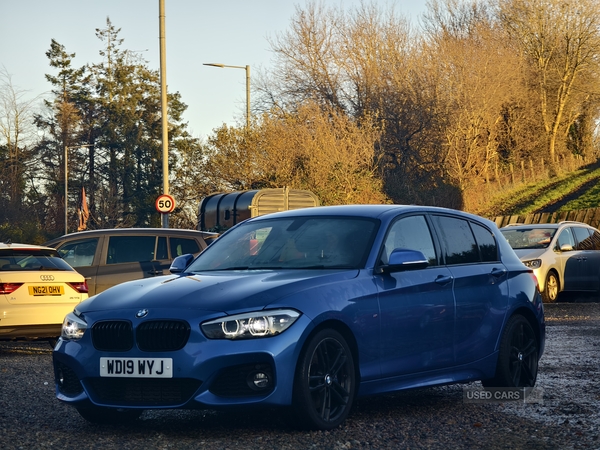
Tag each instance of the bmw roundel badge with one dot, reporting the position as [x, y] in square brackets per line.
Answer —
[141, 313]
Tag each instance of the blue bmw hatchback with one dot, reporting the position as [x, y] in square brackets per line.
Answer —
[307, 310]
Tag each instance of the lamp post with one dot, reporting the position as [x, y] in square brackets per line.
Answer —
[247, 69]
[67, 182]
[164, 105]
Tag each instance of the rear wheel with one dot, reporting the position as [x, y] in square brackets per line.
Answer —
[103, 415]
[518, 357]
[551, 288]
[324, 385]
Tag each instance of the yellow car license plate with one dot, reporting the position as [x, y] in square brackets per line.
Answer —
[46, 290]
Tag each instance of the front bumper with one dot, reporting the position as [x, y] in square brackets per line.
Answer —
[206, 373]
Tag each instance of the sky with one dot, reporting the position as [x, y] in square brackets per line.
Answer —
[231, 32]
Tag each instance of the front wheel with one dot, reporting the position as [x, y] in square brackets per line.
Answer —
[551, 288]
[324, 385]
[104, 415]
[518, 357]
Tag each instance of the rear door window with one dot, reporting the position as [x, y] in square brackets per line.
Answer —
[584, 239]
[595, 239]
[125, 249]
[457, 239]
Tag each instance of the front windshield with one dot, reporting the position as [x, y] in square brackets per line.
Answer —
[529, 238]
[295, 243]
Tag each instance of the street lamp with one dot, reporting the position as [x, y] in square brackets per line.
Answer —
[247, 69]
[67, 183]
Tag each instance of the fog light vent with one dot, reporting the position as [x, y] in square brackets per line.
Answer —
[244, 380]
[66, 380]
[259, 381]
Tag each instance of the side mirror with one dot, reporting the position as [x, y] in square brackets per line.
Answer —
[180, 263]
[566, 248]
[402, 259]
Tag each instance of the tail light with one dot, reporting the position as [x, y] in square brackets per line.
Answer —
[82, 288]
[537, 284]
[7, 288]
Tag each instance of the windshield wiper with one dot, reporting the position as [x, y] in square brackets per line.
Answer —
[253, 268]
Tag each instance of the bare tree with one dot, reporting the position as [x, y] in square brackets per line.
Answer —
[305, 60]
[481, 76]
[562, 40]
[17, 136]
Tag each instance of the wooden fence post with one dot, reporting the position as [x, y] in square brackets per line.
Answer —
[532, 171]
[591, 216]
[543, 172]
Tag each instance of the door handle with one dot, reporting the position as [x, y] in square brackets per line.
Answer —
[443, 279]
[498, 272]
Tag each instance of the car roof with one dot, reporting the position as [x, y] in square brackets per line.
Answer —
[544, 225]
[128, 231]
[17, 246]
[373, 211]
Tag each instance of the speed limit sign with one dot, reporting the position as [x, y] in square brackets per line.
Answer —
[165, 204]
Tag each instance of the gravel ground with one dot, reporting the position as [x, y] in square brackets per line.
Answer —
[436, 418]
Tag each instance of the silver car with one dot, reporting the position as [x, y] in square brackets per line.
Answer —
[564, 256]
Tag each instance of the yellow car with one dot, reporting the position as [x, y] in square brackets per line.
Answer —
[37, 290]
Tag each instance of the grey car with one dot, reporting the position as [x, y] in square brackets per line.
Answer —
[564, 256]
[113, 256]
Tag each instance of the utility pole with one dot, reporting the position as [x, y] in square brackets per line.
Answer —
[163, 103]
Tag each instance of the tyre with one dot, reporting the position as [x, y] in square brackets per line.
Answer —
[103, 415]
[518, 357]
[551, 288]
[324, 385]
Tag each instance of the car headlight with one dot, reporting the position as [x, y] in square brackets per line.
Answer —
[250, 325]
[73, 327]
[533, 263]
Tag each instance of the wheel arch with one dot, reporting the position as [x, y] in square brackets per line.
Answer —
[346, 333]
[554, 271]
[531, 318]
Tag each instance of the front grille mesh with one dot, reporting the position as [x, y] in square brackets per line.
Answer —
[150, 336]
[162, 335]
[112, 336]
[142, 391]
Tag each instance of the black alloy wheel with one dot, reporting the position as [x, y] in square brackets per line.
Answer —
[324, 385]
[518, 357]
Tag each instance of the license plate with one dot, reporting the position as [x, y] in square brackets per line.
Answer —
[136, 367]
[47, 290]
